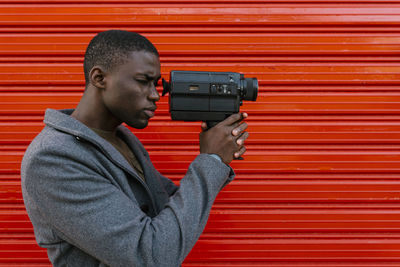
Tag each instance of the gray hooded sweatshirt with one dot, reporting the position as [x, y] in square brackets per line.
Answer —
[89, 207]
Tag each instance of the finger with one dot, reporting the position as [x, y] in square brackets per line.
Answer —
[237, 117]
[240, 152]
[238, 130]
[242, 138]
[204, 126]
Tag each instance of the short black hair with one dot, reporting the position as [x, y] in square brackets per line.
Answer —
[110, 49]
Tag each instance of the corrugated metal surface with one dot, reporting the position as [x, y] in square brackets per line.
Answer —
[320, 183]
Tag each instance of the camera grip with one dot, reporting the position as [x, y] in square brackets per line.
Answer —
[211, 124]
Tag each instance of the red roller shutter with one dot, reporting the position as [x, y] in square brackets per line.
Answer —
[320, 183]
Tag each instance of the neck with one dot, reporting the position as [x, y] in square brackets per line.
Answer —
[92, 112]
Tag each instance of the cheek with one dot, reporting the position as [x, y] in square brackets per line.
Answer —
[115, 99]
[124, 95]
[128, 104]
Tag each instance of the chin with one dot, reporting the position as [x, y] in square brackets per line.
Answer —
[138, 125]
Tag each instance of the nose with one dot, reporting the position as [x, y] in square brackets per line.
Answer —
[154, 95]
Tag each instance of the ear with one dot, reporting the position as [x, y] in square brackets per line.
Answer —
[97, 77]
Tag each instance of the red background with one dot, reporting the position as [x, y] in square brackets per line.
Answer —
[319, 185]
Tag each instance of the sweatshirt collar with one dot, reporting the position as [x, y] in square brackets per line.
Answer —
[62, 121]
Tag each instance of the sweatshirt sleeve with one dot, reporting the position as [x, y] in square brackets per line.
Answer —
[86, 210]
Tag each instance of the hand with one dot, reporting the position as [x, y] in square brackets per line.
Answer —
[226, 139]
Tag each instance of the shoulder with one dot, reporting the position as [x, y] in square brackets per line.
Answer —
[53, 147]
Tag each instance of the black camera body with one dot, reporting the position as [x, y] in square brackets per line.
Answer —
[208, 96]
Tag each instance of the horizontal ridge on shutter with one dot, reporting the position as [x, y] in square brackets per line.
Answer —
[319, 183]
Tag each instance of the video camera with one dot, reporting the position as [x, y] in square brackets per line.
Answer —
[207, 96]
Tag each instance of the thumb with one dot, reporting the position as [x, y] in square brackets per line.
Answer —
[204, 126]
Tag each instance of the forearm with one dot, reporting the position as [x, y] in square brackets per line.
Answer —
[186, 214]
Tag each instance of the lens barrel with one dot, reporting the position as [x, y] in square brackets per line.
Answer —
[250, 89]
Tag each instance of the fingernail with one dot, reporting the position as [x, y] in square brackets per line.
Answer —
[234, 132]
[239, 142]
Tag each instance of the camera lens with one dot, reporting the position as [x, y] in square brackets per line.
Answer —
[250, 89]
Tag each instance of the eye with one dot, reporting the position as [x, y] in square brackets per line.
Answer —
[144, 82]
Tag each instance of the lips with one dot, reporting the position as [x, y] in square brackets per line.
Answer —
[150, 112]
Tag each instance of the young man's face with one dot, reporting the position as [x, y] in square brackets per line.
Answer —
[130, 94]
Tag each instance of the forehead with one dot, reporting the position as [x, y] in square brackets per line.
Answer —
[142, 62]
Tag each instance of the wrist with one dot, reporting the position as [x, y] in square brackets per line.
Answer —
[216, 157]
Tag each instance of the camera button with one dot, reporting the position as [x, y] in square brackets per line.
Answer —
[213, 89]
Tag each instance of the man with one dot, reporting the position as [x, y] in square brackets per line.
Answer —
[90, 189]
